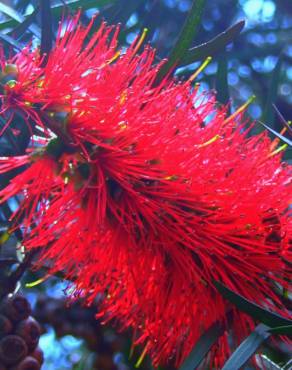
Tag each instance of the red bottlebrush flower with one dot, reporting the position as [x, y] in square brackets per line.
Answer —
[148, 194]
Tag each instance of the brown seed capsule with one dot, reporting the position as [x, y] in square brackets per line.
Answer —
[12, 349]
[30, 331]
[38, 354]
[29, 363]
[5, 325]
[17, 308]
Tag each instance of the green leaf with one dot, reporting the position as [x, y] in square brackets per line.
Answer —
[203, 346]
[282, 330]
[47, 29]
[19, 30]
[57, 9]
[268, 114]
[283, 138]
[185, 38]
[213, 46]
[258, 313]
[222, 80]
[10, 40]
[247, 348]
[282, 119]
[19, 18]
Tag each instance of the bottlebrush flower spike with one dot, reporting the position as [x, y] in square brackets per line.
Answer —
[145, 195]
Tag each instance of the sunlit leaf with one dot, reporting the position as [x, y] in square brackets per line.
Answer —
[282, 119]
[58, 9]
[19, 30]
[212, 47]
[247, 348]
[19, 18]
[283, 138]
[11, 41]
[185, 38]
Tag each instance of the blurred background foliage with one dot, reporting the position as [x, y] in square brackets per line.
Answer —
[258, 62]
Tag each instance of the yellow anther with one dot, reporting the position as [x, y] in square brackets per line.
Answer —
[51, 114]
[170, 178]
[27, 103]
[35, 283]
[41, 83]
[4, 237]
[123, 97]
[276, 141]
[141, 40]
[200, 69]
[122, 125]
[239, 110]
[81, 113]
[141, 358]
[68, 97]
[280, 149]
[115, 57]
[216, 137]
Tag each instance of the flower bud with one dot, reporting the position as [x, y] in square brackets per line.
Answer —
[12, 349]
[38, 354]
[16, 308]
[29, 363]
[30, 331]
[5, 325]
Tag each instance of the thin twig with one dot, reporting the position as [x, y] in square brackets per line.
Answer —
[10, 282]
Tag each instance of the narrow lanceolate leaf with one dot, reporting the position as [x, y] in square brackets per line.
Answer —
[10, 40]
[282, 119]
[203, 346]
[268, 114]
[57, 9]
[222, 80]
[47, 29]
[185, 38]
[283, 138]
[282, 330]
[19, 18]
[214, 46]
[247, 348]
[19, 30]
[258, 313]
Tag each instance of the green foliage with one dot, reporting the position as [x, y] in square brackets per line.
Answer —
[258, 313]
[214, 46]
[247, 348]
[185, 38]
[203, 346]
